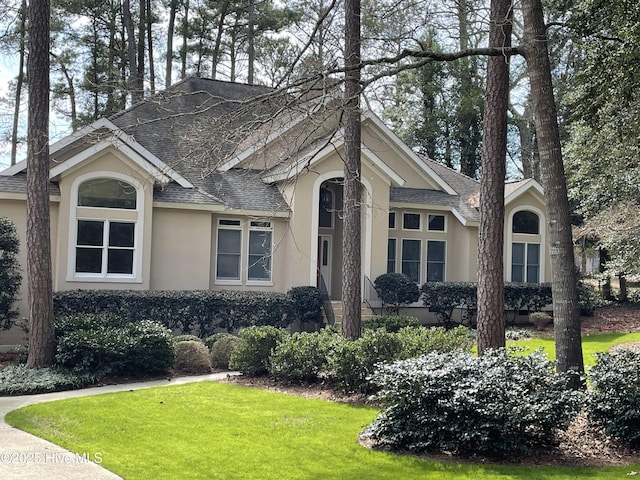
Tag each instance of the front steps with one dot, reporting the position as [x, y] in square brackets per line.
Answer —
[336, 305]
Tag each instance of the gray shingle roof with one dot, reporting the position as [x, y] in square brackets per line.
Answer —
[18, 184]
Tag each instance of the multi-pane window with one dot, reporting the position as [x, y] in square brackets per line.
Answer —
[326, 208]
[411, 221]
[526, 222]
[435, 223]
[525, 262]
[391, 255]
[411, 258]
[436, 255]
[229, 249]
[105, 229]
[260, 241]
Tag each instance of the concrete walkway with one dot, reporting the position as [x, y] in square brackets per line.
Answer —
[24, 456]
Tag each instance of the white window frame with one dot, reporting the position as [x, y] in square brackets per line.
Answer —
[437, 215]
[400, 269]
[525, 266]
[77, 213]
[444, 262]
[395, 253]
[395, 219]
[419, 229]
[254, 228]
[539, 239]
[239, 227]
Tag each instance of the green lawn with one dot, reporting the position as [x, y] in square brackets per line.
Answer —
[591, 344]
[219, 431]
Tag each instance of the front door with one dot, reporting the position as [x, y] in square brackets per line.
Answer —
[324, 260]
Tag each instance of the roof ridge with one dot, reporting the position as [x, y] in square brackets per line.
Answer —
[452, 170]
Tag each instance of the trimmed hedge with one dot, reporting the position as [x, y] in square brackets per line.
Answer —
[198, 312]
[251, 355]
[391, 323]
[396, 290]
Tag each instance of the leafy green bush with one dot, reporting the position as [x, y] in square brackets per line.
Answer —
[221, 351]
[191, 357]
[614, 401]
[589, 299]
[20, 380]
[251, 355]
[515, 334]
[211, 339]
[351, 362]
[10, 276]
[302, 357]
[420, 340]
[306, 303]
[186, 338]
[531, 297]
[391, 323]
[108, 344]
[443, 298]
[496, 404]
[396, 290]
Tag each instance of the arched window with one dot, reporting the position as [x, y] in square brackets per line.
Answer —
[526, 222]
[107, 193]
[105, 222]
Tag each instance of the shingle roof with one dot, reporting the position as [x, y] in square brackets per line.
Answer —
[18, 184]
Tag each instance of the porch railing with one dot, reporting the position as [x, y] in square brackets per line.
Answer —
[371, 297]
[326, 301]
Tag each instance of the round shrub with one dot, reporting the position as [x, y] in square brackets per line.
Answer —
[186, 338]
[302, 357]
[391, 323]
[396, 289]
[221, 351]
[306, 303]
[211, 339]
[615, 395]
[351, 362]
[192, 357]
[151, 349]
[251, 355]
[497, 404]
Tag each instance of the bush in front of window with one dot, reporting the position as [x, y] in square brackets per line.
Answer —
[443, 298]
[10, 276]
[497, 404]
[306, 303]
[251, 355]
[391, 323]
[191, 357]
[615, 395]
[396, 290]
[107, 344]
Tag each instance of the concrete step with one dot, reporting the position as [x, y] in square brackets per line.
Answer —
[337, 307]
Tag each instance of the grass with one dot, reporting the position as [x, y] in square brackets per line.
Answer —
[220, 431]
[591, 344]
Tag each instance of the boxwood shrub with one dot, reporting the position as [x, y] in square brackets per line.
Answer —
[222, 349]
[191, 357]
[497, 404]
[391, 323]
[109, 344]
[614, 401]
[251, 355]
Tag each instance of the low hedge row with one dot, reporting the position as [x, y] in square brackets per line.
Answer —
[197, 312]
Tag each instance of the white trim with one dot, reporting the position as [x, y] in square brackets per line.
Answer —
[395, 255]
[523, 188]
[136, 275]
[395, 219]
[315, 198]
[420, 222]
[532, 238]
[408, 153]
[446, 222]
[239, 228]
[270, 228]
[13, 169]
[426, 258]
[422, 254]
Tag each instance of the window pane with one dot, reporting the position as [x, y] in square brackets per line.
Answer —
[326, 208]
[435, 251]
[259, 255]
[259, 243]
[259, 267]
[107, 193]
[391, 255]
[229, 241]
[411, 221]
[435, 272]
[411, 259]
[526, 222]
[88, 260]
[533, 263]
[121, 234]
[90, 232]
[436, 223]
[392, 219]
[224, 221]
[517, 273]
[228, 267]
[120, 261]
[517, 262]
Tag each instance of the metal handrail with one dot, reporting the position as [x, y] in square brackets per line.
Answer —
[326, 300]
[371, 297]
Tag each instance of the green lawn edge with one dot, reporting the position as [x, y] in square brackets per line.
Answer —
[220, 431]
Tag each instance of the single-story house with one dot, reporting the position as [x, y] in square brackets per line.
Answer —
[218, 185]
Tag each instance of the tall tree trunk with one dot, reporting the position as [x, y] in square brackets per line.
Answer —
[494, 154]
[352, 223]
[142, 30]
[173, 6]
[41, 333]
[251, 50]
[19, 82]
[185, 41]
[152, 73]
[131, 51]
[72, 94]
[215, 57]
[566, 314]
